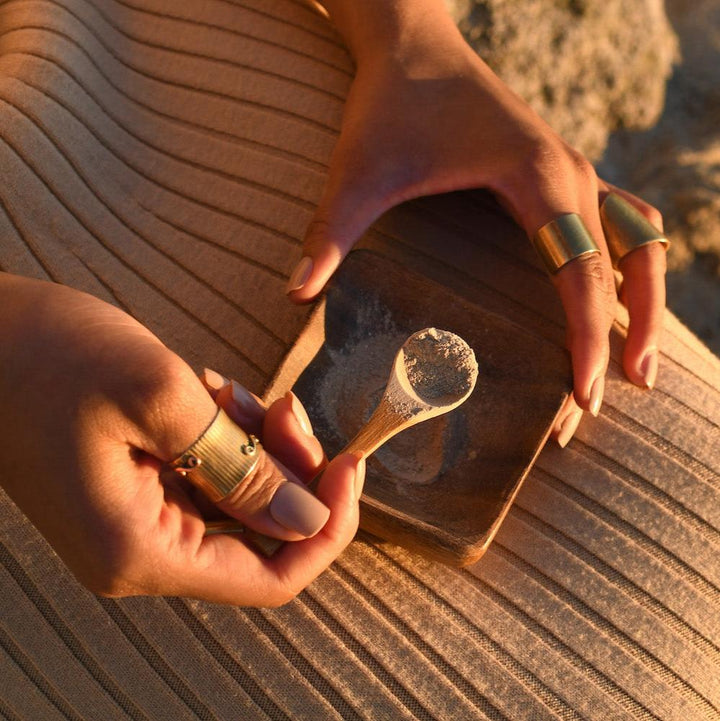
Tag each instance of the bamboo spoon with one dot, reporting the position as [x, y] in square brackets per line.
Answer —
[433, 373]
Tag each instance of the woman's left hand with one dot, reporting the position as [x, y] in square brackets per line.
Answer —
[425, 115]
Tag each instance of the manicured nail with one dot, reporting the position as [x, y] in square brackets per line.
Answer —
[568, 428]
[649, 367]
[300, 414]
[245, 400]
[213, 380]
[298, 510]
[300, 275]
[596, 395]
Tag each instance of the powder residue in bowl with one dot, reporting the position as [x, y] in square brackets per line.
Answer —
[440, 366]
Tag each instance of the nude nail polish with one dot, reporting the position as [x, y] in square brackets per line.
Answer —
[596, 395]
[568, 428]
[300, 414]
[296, 509]
[649, 367]
[213, 380]
[300, 275]
[246, 411]
[244, 400]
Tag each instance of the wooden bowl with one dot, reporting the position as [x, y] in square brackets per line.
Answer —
[443, 487]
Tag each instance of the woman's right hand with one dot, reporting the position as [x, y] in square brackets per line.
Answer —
[93, 408]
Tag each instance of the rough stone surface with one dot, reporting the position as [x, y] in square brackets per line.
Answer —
[588, 67]
[599, 68]
[676, 166]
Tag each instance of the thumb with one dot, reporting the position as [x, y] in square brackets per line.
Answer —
[352, 201]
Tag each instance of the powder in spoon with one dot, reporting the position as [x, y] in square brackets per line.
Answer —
[440, 366]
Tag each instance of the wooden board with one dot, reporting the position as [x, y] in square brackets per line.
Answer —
[443, 487]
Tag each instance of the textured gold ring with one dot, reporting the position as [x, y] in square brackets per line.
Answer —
[626, 228]
[220, 459]
[562, 240]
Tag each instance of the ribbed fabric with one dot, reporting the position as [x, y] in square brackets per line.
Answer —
[166, 156]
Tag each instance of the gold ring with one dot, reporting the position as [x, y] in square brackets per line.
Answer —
[626, 228]
[562, 240]
[220, 459]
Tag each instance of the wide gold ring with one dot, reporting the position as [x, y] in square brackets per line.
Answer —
[626, 228]
[220, 459]
[562, 240]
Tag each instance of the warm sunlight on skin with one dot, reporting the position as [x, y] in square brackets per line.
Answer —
[426, 115]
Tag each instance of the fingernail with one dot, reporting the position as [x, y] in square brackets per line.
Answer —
[359, 475]
[244, 408]
[596, 395]
[300, 275]
[213, 380]
[245, 400]
[298, 510]
[300, 414]
[568, 428]
[649, 367]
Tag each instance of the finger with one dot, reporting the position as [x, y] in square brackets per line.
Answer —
[213, 381]
[245, 408]
[643, 287]
[225, 570]
[270, 499]
[567, 422]
[650, 212]
[587, 292]
[288, 435]
[273, 501]
[643, 292]
[352, 201]
[561, 185]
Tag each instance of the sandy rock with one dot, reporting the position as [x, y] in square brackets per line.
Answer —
[676, 166]
[587, 66]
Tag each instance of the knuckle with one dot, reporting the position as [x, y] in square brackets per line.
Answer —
[156, 390]
[654, 216]
[590, 268]
[645, 263]
[589, 278]
[581, 166]
[276, 593]
[256, 490]
[655, 257]
[547, 163]
[542, 156]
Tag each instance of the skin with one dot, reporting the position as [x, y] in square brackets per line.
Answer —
[93, 406]
[425, 115]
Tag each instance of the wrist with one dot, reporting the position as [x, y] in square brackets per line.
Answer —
[405, 32]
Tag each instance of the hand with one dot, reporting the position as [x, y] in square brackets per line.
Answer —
[425, 115]
[93, 407]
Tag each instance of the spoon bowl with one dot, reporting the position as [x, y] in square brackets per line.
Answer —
[413, 394]
[433, 373]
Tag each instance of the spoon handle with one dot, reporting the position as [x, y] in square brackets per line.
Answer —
[383, 424]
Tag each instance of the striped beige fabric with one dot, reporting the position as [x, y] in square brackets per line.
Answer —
[166, 156]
